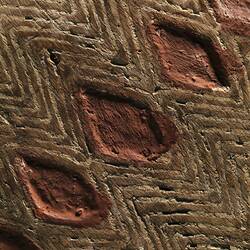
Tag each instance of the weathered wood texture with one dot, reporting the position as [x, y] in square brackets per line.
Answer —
[124, 124]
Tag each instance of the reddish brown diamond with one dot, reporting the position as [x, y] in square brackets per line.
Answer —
[123, 130]
[186, 59]
[233, 15]
[61, 196]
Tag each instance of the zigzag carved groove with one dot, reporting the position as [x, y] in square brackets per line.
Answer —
[151, 67]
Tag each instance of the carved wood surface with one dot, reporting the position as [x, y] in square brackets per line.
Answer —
[124, 124]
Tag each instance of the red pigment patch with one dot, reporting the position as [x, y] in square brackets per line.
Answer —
[62, 197]
[122, 131]
[184, 59]
[234, 15]
[12, 241]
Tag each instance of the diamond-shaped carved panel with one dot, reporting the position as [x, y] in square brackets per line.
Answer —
[124, 130]
[186, 59]
[60, 196]
[233, 15]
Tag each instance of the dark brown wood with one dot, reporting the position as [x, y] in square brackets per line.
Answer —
[124, 124]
